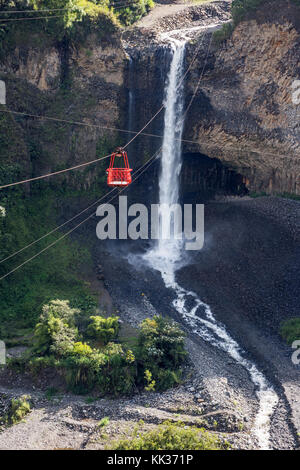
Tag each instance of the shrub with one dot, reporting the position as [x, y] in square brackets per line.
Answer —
[51, 392]
[118, 375]
[19, 408]
[150, 387]
[55, 332]
[241, 8]
[161, 351]
[170, 436]
[223, 33]
[109, 368]
[290, 330]
[81, 367]
[103, 329]
[161, 341]
[103, 422]
[168, 378]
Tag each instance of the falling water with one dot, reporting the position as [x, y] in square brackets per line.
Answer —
[165, 256]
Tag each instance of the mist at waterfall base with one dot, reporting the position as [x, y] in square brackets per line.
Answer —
[167, 256]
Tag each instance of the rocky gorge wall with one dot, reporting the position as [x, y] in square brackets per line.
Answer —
[82, 83]
[242, 111]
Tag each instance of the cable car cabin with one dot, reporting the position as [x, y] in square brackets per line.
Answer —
[120, 175]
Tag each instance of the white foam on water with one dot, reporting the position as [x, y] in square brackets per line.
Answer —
[166, 255]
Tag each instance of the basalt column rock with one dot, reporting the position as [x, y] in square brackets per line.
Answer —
[244, 110]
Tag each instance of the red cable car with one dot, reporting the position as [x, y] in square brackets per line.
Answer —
[121, 175]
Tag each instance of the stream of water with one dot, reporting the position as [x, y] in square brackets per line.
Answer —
[166, 255]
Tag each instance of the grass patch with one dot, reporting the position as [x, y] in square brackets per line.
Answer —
[170, 436]
[223, 33]
[242, 8]
[255, 194]
[103, 422]
[290, 330]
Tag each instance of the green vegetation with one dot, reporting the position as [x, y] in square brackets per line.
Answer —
[29, 147]
[161, 351]
[290, 330]
[134, 12]
[103, 422]
[51, 393]
[255, 195]
[26, 217]
[223, 33]
[84, 353]
[103, 329]
[73, 20]
[240, 11]
[241, 8]
[294, 197]
[55, 332]
[170, 436]
[19, 408]
[150, 383]
[24, 292]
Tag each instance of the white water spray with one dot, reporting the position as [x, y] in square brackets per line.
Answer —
[167, 252]
[166, 255]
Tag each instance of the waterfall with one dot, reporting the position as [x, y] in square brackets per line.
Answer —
[165, 256]
[167, 252]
